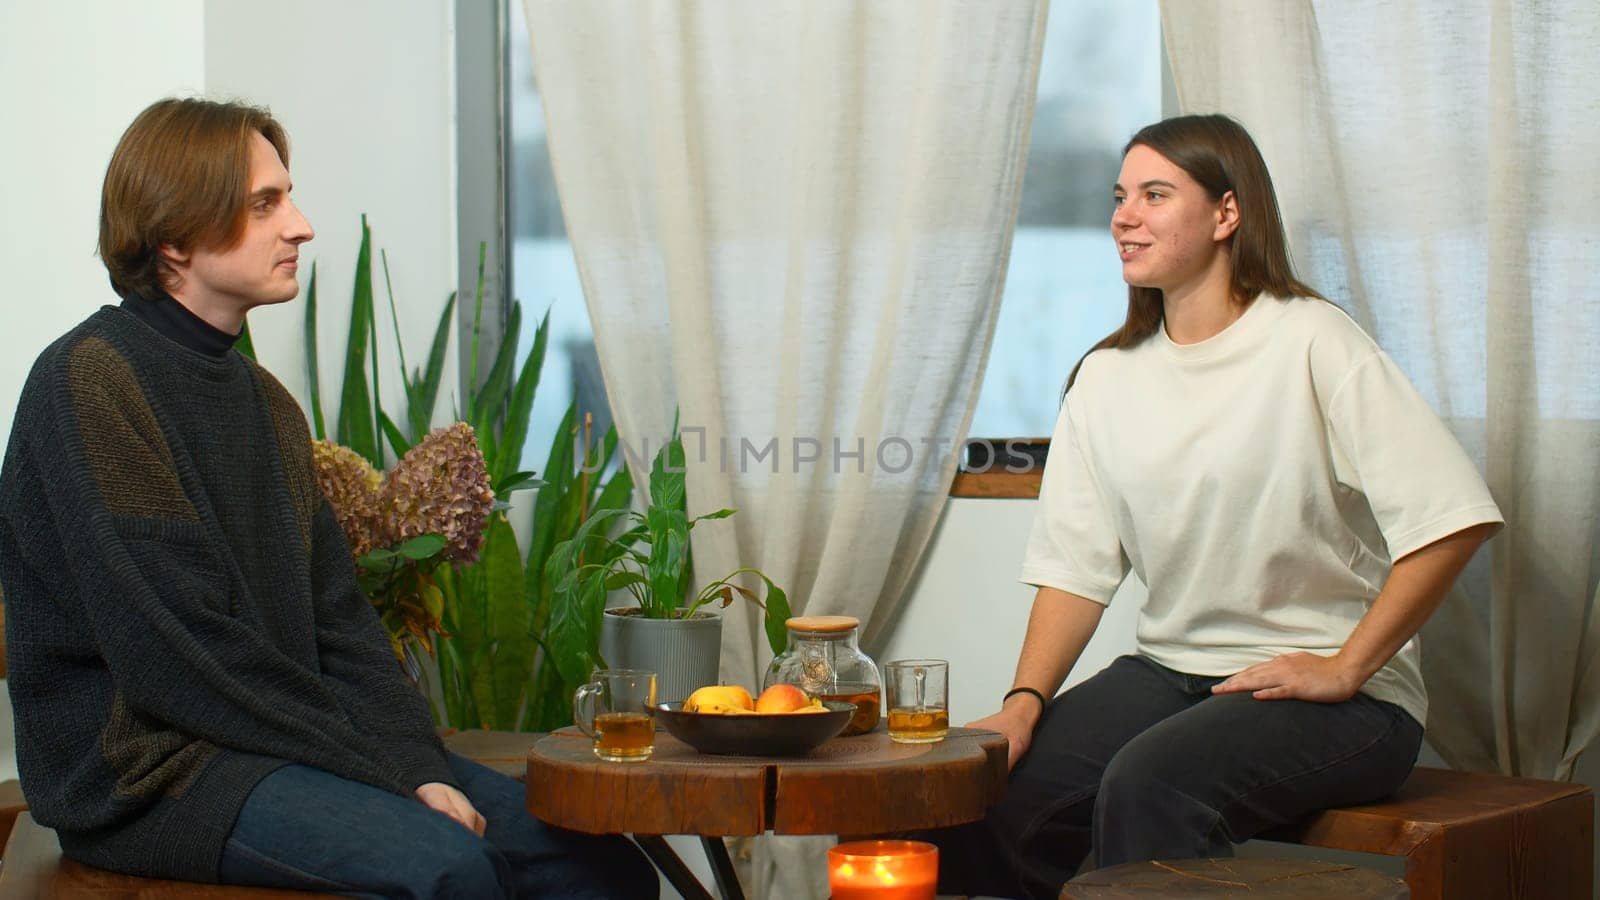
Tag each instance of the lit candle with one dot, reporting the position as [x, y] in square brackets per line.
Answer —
[883, 870]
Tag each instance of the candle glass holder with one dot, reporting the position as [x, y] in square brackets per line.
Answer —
[883, 870]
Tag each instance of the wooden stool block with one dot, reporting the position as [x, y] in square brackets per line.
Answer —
[505, 752]
[1470, 834]
[35, 868]
[1258, 879]
[12, 805]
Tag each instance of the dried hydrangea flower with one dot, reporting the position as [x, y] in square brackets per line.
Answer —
[351, 484]
[440, 487]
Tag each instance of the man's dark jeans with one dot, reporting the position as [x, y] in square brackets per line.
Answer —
[304, 828]
[1141, 762]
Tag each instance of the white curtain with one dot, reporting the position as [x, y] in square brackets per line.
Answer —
[1438, 164]
[791, 220]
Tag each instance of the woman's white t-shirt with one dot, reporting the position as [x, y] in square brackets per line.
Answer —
[1259, 483]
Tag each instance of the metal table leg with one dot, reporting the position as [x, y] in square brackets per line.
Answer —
[676, 873]
[722, 868]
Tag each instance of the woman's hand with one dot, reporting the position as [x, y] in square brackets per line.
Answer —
[1016, 720]
[1295, 676]
[445, 799]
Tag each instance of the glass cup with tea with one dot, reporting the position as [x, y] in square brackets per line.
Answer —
[614, 710]
[919, 700]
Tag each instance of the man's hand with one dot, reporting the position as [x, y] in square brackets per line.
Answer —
[447, 800]
[1016, 720]
[1296, 676]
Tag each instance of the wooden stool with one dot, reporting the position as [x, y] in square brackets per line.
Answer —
[505, 752]
[1470, 834]
[1257, 879]
[12, 805]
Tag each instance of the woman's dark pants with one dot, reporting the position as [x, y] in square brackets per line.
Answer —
[1141, 762]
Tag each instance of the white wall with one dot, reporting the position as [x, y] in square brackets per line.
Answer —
[366, 90]
[967, 606]
[73, 74]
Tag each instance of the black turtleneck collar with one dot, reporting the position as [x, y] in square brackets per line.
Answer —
[174, 321]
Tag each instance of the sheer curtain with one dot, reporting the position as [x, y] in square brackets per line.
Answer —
[1436, 165]
[791, 220]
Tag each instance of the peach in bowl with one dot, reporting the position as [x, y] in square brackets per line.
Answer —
[726, 720]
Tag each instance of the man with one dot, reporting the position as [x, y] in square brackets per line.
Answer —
[201, 690]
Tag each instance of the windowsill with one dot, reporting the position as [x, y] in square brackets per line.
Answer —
[998, 484]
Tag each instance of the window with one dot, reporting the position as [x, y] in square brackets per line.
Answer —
[544, 274]
[1100, 80]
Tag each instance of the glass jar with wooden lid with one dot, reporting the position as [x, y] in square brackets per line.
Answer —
[824, 659]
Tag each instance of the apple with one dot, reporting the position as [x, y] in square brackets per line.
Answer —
[728, 699]
[782, 698]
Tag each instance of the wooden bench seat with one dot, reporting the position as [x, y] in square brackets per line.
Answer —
[33, 866]
[1469, 834]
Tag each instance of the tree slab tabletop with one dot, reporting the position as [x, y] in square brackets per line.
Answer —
[857, 785]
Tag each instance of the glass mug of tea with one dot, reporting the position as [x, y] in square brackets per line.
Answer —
[613, 709]
[919, 707]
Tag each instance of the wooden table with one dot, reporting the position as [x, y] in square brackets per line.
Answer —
[857, 786]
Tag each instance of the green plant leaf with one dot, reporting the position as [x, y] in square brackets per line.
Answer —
[392, 432]
[425, 393]
[355, 416]
[778, 613]
[464, 713]
[517, 481]
[377, 394]
[667, 484]
[616, 581]
[244, 345]
[491, 396]
[394, 320]
[566, 633]
[421, 547]
[547, 505]
[500, 678]
[519, 409]
[669, 539]
[313, 382]
[719, 514]
[477, 330]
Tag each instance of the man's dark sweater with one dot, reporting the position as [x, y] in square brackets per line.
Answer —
[182, 611]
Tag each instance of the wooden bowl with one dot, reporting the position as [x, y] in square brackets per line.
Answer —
[756, 734]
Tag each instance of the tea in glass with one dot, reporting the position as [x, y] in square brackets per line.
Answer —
[919, 710]
[918, 726]
[865, 697]
[624, 735]
[613, 710]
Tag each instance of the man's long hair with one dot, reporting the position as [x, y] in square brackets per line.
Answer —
[180, 177]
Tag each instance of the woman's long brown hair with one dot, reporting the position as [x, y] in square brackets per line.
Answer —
[1218, 153]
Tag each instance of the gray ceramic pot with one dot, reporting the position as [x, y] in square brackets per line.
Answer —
[684, 653]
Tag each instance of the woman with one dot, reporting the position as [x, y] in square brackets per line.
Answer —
[1295, 508]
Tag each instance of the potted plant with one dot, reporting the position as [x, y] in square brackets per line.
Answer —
[670, 630]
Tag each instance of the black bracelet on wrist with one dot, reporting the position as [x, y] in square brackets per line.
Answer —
[1024, 690]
